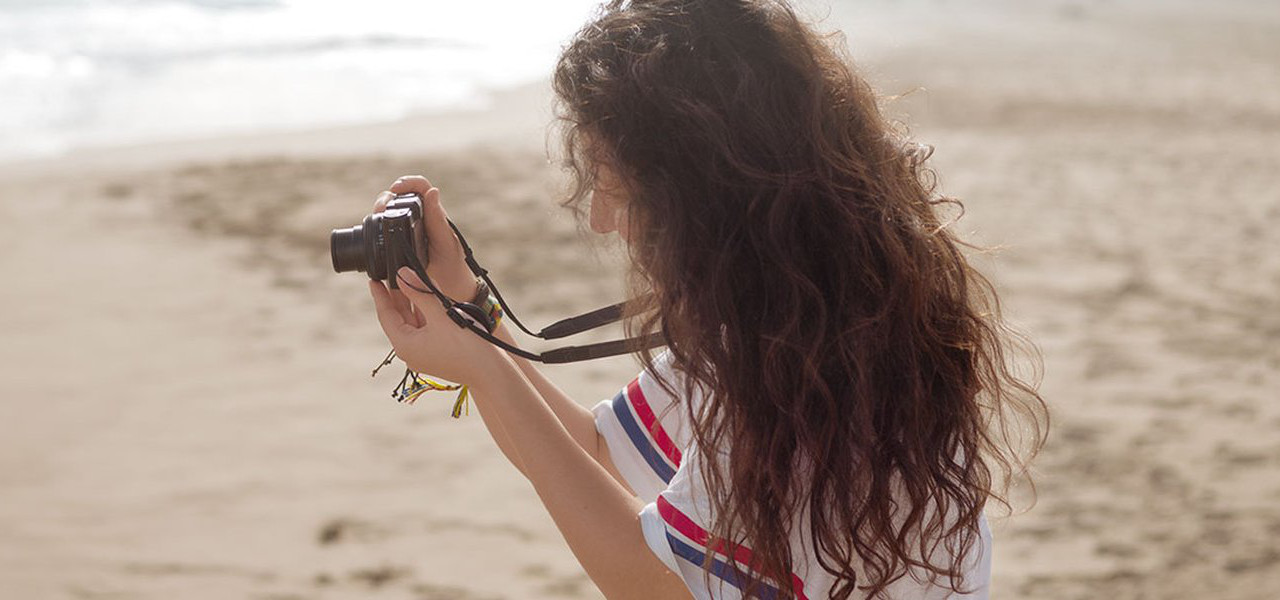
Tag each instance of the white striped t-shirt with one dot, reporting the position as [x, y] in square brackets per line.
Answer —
[651, 445]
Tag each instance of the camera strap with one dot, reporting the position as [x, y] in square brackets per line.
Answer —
[562, 328]
[567, 354]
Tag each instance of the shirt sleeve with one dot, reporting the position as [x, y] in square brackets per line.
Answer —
[671, 530]
[644, 431]
[674, 527]
[651, 446]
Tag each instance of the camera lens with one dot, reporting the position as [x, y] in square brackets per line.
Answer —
[346, 247]
[360, 248]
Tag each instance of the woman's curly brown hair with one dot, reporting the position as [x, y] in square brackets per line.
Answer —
[798, 260]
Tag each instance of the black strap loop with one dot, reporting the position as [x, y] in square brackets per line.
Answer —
[585, 322]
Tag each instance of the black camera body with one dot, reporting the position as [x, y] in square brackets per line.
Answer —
[382, 243]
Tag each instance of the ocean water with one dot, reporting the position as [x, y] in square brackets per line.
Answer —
[93, 73]
[83, 73]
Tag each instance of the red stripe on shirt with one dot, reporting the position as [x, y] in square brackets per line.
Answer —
[651, 423]
[741, 554]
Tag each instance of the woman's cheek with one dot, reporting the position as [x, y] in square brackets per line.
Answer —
[622, 224]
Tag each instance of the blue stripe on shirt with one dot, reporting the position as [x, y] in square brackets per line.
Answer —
[640, 440]
[718, 567]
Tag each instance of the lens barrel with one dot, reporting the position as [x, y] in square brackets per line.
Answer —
[347, 248]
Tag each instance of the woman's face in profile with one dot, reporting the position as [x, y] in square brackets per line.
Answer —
[609, 204]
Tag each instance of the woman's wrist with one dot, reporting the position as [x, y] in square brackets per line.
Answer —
[497, 365]
[462, 289]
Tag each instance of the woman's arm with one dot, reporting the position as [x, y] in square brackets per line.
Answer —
[449, 269]
[597, 516]
[577, 419]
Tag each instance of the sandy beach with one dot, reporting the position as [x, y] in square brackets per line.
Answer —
[185, 402]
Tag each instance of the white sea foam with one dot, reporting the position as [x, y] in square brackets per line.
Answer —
[109, 72]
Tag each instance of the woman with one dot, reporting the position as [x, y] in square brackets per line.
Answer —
[835, 406]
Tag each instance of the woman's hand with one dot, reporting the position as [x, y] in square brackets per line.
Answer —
[415, 322]
[425, 338]
[445, 261]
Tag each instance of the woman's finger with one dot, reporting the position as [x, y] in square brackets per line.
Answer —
[411, 184]
[392, 320]
[402, 304]
[441, 242]
[411, 285]
[418, 320]
[426, 302]
[380, 203]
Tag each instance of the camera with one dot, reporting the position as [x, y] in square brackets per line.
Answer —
[383, 242]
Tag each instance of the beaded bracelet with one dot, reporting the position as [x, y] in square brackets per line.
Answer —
[488, 304]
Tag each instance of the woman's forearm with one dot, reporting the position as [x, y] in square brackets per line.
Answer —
[597, 516]
[577, 419]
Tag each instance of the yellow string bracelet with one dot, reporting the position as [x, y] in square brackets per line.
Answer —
[413, 385]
